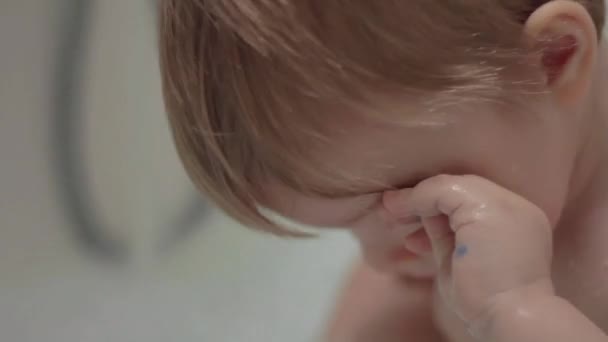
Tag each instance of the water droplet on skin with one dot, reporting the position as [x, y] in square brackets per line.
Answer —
[480, 211]
[457, 187]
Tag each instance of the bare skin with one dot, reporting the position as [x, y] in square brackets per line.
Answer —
[485, 291]
[383, 308]
[377, 307]
[551, 157]
[493, 250]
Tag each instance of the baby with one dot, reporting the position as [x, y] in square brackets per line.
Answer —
[463, 142]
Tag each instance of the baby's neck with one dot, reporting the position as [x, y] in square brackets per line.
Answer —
[589, 182]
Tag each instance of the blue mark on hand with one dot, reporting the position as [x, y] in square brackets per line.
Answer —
[461, 251]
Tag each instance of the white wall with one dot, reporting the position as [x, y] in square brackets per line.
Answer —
[223, 284]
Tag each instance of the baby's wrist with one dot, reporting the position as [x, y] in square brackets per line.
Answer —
[509, 307]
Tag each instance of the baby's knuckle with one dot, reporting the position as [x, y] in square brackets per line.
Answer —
[442, 181]
[469, 216]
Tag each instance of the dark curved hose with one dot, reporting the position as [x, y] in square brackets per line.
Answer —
[67, 142]
[67, 126]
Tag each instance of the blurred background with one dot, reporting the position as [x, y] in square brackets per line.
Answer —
[102, 237]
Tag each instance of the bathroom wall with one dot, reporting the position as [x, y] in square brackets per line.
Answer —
[184, 272]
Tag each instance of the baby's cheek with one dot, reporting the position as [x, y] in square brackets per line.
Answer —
[551, 199]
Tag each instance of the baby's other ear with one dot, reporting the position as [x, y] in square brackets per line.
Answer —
[565, 34]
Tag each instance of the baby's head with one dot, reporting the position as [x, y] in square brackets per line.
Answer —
[313, 108]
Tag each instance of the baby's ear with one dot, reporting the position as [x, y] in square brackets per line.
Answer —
[565, 34]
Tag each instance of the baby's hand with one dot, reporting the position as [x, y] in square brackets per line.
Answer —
[488, 242]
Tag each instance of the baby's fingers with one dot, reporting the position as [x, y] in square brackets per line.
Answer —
[441, 237]
[460, 198]
[486, 239]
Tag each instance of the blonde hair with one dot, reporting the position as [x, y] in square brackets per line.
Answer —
[241, 78]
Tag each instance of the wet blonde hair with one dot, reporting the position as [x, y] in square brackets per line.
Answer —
[242, 78]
